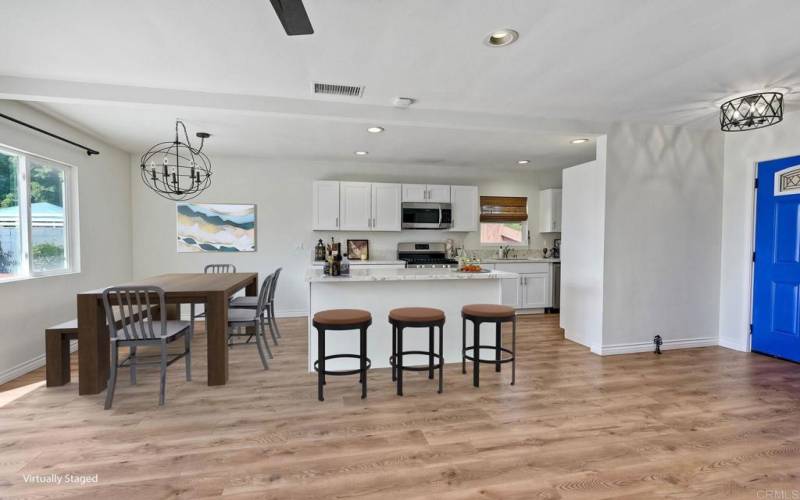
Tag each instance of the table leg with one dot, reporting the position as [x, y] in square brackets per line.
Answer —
[216, 334]
[251, 290]
[93, 346]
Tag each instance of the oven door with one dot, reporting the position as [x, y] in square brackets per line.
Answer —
[422, 215]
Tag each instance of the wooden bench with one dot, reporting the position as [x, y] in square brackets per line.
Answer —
[57, 339]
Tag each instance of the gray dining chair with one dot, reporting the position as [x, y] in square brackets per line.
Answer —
[241, 317]
[210, 269]
[269, 309]
[140, 328]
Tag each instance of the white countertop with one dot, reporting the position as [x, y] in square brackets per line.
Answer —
[315, 275]
[522, 260]
[368, 263]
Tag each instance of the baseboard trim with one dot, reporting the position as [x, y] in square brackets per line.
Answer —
[614, 349]
[733, 344]
[21, 369]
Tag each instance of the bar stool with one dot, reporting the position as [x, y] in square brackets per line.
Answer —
[342, 319]
[488, 313]
[415, 317]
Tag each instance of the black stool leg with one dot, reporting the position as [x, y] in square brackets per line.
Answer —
[441, 357]
[399, 361]
[363, 363]
[393, 359]
[497, 339]
[514, 350]
[463, 345]
[320, 362]
[430, 352]
[476, 341]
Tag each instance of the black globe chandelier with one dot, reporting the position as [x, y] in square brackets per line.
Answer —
[751, 112]
[176, 170]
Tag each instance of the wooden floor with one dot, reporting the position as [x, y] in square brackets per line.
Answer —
[701, 423]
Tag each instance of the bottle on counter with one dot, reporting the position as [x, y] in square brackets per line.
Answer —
[344, 269]
[336, 265]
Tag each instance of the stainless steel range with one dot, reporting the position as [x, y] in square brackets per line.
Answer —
[425, 255]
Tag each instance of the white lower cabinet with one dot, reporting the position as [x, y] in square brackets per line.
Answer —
[532, 289]
[535, 290]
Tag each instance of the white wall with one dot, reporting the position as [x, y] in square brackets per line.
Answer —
[742, 152]
[582, 240]
[662, 237]
[282, 192]
[28, 307]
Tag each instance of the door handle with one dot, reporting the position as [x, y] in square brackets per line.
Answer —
[337, 222]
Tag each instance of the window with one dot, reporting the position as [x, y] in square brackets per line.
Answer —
[504, 233]
[35, 235]
[504, 220]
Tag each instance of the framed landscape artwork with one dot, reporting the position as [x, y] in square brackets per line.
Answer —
[214, 227]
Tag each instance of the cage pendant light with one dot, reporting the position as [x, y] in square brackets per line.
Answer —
[177, 170]
[751, 112]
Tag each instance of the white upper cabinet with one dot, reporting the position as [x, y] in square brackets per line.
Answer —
[550, 211]
[386, 208]
[355, 206]
[439, 193]
[415, 192]
[325, 206]
[465, 208]
[433, 193]
[377, 206]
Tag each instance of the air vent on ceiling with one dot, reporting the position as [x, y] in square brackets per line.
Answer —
[335, 89]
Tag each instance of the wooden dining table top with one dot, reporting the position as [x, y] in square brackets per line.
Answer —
[190, 284]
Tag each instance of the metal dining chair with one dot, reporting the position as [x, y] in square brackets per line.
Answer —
[241, 317]
[269, 310]
[211, 269]
[139, 328]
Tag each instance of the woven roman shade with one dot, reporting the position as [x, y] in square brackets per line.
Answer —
[504, 208]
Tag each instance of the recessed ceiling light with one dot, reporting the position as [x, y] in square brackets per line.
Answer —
[523, 162]
[361, 153]
[501, 38]
[578, 141]
[375, 130]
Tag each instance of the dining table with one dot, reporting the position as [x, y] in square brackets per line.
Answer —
[212, 290]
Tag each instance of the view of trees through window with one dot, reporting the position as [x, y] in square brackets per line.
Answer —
[47, 226]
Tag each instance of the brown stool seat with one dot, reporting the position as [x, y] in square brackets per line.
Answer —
[416, 314]
[488, 311]
[342, 317]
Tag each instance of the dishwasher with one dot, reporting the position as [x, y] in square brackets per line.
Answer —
[556, 286]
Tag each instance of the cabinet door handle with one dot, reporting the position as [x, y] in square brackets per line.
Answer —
[337, 222]
[374, 222]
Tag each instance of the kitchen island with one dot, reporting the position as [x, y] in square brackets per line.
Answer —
[380, 290]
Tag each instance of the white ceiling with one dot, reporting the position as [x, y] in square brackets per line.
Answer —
[126, 69]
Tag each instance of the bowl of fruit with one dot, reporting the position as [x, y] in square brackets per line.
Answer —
[470, 266]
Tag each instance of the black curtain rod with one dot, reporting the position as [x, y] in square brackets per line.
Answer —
[89, 151]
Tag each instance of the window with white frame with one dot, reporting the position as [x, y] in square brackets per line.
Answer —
[504, 220]
[35, 216]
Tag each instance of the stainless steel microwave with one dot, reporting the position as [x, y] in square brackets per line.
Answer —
[427, 215]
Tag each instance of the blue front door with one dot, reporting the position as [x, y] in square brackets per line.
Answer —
[776, 286]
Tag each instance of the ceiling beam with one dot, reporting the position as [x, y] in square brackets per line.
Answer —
[60, 91]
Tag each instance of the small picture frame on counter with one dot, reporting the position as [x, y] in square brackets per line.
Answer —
[358, 249]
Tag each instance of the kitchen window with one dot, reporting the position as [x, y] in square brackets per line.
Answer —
[36, 222]
[504, 220]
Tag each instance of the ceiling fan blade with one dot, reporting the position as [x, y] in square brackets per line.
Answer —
[293, 17]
